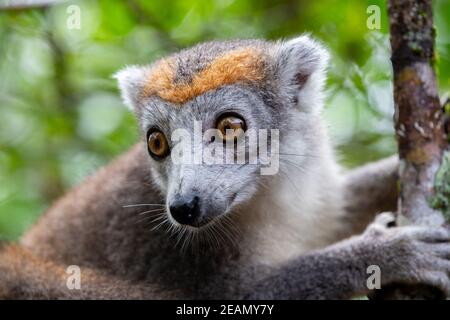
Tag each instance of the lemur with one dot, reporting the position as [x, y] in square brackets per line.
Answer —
[146, 227]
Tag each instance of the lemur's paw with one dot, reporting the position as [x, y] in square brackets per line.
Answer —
[382, 221]
[429, 256]
[411, 254]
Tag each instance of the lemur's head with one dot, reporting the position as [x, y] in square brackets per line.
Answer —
[233, 87]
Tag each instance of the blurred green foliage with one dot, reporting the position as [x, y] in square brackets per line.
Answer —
[61, 116]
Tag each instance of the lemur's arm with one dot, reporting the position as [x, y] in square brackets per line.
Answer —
[407, 255]
[369, 190]
[404, 255]
[26, 276]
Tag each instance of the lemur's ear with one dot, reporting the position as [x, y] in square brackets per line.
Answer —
[131, 82]
[300, 65]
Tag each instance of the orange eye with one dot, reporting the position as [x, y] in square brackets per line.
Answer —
[157, 144]
[231, 127]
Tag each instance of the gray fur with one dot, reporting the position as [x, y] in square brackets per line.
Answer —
[269, 237]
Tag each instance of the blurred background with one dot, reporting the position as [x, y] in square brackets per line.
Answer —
[61, 115]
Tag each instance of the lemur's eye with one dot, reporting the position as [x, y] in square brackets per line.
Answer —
[231, 127]
[157, 144]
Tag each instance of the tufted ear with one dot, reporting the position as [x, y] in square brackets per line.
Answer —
[131, 81]
[300, 65]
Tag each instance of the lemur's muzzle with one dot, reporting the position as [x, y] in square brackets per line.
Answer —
[186, 210]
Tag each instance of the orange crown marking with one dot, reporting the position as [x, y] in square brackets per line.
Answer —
[243, 65]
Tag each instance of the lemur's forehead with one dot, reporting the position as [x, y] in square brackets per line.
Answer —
[179, 79]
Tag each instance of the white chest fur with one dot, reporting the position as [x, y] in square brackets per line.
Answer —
[296, 212]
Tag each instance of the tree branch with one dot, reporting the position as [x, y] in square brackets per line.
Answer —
[418, 118]
[418, 115]
[18, 5]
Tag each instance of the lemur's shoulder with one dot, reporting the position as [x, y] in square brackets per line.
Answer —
[89, 221]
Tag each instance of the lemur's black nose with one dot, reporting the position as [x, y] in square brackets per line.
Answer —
[186, 210]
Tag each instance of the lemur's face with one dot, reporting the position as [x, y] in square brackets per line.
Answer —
[199, 110]
[199, 189]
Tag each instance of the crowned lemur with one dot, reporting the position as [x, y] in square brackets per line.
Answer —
[147, 226]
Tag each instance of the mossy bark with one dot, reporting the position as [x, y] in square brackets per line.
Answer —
[419, 120]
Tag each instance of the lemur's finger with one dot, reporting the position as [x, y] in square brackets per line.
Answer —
[442, 250]
[385, 219]
[431, 235]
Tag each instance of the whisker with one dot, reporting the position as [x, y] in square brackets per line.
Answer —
[144, 219]
[297, 155]
[172, 229]
[159, 225]
[231, 224]
[226, 233]
[180, 236]
[293, 164]
[214, 235]
[159, 217]
[143, 204]
[188, 240]
[153, 210]
[231, 231]
[144, 216]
